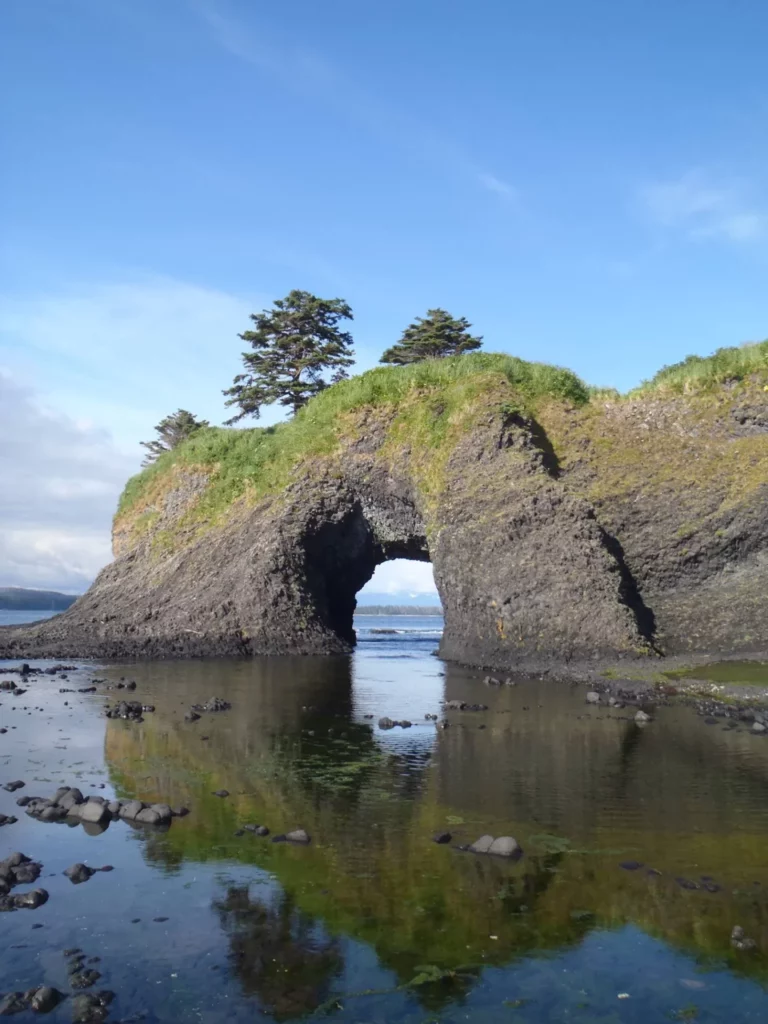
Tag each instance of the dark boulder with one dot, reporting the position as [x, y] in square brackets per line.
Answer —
[78, 873]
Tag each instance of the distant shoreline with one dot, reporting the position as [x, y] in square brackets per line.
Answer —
[398, 609]
[27, 599]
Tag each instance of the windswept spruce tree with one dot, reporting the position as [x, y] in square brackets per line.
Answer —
[434, 336]
[294, 345]
[171, 432]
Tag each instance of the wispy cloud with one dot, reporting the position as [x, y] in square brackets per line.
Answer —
[127, 353]
[304, 71]
[702, 208]
[63, 480]
[501, 188]
[402, 577]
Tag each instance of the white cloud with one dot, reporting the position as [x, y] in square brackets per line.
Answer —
[402, 576]
[501, 188]
[60, 487]
[127, 354]
[694, 204]
[308, 73]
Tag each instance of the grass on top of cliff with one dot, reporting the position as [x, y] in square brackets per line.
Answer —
[260, 459]
[699, 373]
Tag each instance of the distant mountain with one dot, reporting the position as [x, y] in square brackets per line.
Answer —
[22, 599]
[398, 609]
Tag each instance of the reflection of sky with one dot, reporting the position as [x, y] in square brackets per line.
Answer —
[399, 684]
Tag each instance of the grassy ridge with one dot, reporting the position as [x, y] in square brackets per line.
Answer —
[429, 393]
[698, 373]
[431, 400]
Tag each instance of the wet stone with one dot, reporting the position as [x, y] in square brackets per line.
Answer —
[84, 979]
[78, 873]
[89, 1007]
[45, 999]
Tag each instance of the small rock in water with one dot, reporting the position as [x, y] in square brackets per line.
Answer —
[442, 837]
[78, 873]
[93, 812]
[14, 1002]
[45, 999]
[740, 941]
[631, 865]
[257, 830]
[298, 836]
[213, 704]
[641, 717]
[84, 979]
[221, 792]
[593, 697]
[11, 787]
[386, 723]
[506, 846]
[130, 809]
[757, 727]
[89, 1007]
[481, 845]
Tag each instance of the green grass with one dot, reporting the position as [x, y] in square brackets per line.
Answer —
[698, 373]
[427, 394]
[742, 673]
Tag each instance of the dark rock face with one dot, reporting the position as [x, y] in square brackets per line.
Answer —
[543, 554]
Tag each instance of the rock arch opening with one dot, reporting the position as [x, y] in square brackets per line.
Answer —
[343, 554]
[402, 583]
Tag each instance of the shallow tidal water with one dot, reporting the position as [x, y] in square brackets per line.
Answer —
[374, 922]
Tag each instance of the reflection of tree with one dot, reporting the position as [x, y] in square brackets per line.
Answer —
[277, 952]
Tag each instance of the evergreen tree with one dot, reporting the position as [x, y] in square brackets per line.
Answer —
[171, 432]
[434, 336]
[294, 344]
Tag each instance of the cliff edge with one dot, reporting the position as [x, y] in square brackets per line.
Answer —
[563, 525]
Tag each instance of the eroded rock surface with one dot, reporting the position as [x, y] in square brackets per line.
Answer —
[594, 532]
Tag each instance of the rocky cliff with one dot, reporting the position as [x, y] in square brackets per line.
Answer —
[563, 526]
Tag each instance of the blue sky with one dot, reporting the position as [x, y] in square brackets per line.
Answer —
[585, 182]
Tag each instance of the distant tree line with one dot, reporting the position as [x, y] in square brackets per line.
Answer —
[298, 348]
[25, 599]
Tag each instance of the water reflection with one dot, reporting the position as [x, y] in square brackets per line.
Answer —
[584, 791]
[278, 952]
